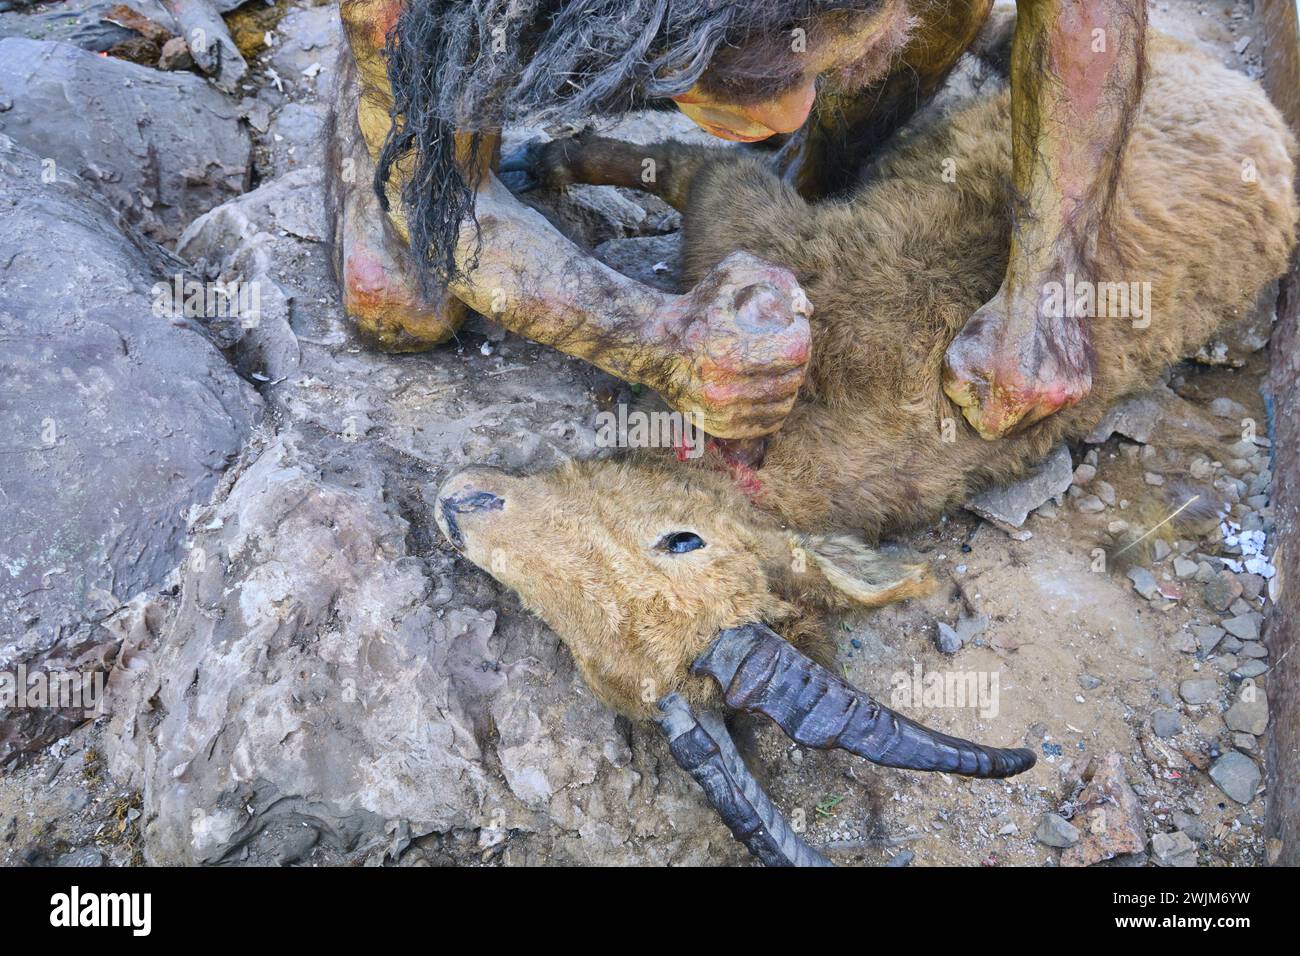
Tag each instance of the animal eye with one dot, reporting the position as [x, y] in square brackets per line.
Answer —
[679, 542]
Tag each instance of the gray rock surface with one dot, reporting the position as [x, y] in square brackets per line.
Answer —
[649, 259]
[1237, 775]
[1173, 849]
[1133, 418]
[231, 243]
[1199, 690]
[1009, 505]
[303, 55]
[160, 147]
[946, 639]
[80, 22]
[1144, 582]
[1055, 830]
[116, 421]
[1249, 713]
[211, 46]
[1118, 829]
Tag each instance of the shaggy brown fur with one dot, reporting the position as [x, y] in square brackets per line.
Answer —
[893, 275]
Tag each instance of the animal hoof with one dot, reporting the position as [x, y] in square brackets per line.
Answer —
[519, 170]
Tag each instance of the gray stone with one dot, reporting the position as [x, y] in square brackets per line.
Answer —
[175, 55]
[1183, 568]
[1253, 649]
[1244, 742]
[946, 639]
[83, 23]
[971, 626]
[1133, 418]
[1199, 691]
[1207, 636]
[1106, 492]
[235, 242]
[1111, 814]
[1249, 713]
[1166, 723]
[118, 421]
[305, 53]
[1245, 627]
[217, 55]
[1088, 682]
[160, 147]
[1144, 582]
[1008, 506]
[1227, 408]
[313, 651]
[1250, 669]
[1190, 825]
[1236, 775]
[1221, 590]
[1090, 504]
[1055, 830]
[1173, 849]
[296, 129]
[86, 856]
[1084, 473]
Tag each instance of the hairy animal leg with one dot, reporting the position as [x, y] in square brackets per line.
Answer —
[374, 266]
[664, 169]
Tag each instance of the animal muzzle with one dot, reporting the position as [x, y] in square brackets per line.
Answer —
[760, 672]
[470, 492]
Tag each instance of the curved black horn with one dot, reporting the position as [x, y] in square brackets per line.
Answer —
[760, 671]
[703, 748]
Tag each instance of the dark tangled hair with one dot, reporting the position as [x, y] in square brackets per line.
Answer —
[470, 66]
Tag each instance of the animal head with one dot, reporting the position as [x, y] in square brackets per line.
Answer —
[638, 566]
[663, 583]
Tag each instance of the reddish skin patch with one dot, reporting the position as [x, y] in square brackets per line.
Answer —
[743, 476]
[385, 18]
[365, 280]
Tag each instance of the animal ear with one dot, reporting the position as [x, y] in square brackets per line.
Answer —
[864, 575]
